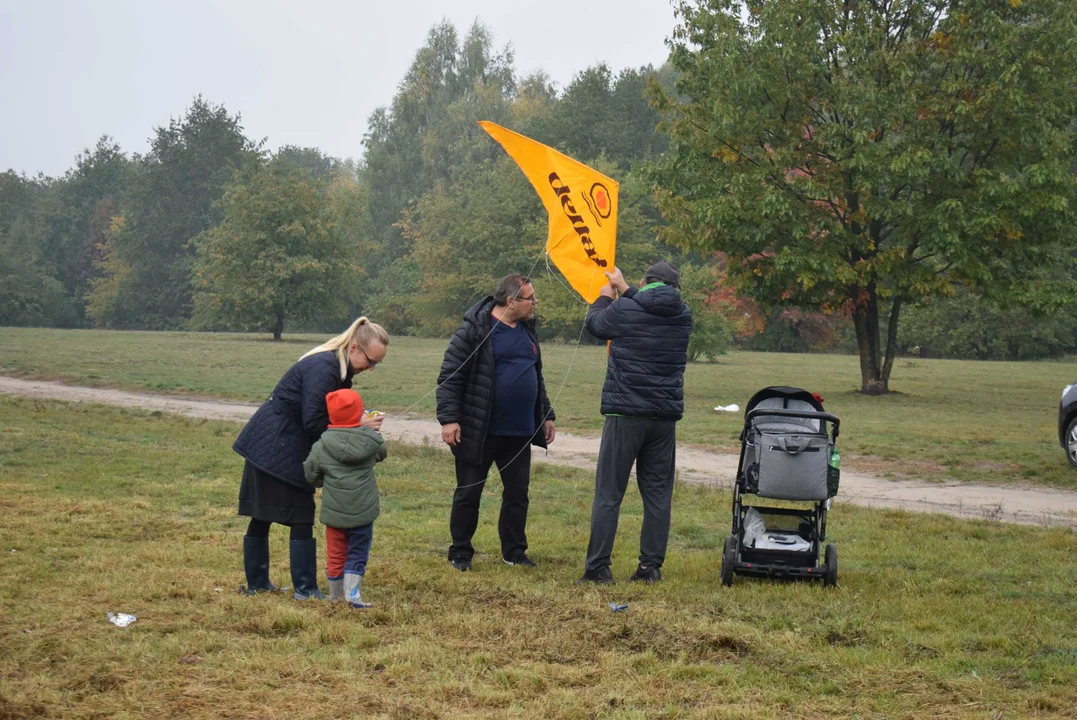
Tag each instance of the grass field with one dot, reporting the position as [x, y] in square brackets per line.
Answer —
[106, 509]
[974, 421]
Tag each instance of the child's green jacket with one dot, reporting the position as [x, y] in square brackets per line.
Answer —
[342, 464]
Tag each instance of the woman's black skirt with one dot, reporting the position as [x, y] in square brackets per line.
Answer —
[269, 499]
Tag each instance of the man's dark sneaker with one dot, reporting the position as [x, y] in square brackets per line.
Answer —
[461, 563]
[602, 576]
[520, 559]
[646, 574]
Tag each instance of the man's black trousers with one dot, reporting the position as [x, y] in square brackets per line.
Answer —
[512, 456]
[651, 444]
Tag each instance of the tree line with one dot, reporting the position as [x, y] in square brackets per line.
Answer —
[875, 178]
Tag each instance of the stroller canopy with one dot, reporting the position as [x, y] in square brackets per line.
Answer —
[786, 394]
[781, 397]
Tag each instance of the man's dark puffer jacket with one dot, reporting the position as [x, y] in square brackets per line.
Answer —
[645, 370]
[466, 386]
[278, 438]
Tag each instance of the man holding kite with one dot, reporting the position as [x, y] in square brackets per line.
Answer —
[643, 396]
[642, 399]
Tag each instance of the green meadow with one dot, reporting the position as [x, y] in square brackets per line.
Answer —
[113, 510]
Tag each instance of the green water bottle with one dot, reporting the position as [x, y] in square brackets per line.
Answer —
[833, 473]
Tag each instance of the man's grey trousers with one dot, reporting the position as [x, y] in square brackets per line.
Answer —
[651, 444]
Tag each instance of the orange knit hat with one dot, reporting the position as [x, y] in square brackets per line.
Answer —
[345, 408]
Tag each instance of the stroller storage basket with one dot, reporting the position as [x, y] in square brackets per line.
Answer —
[787, 522]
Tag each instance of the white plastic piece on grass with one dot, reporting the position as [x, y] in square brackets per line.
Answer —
[120, 619]
[727, 408]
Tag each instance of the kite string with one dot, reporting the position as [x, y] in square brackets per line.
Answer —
[572, 293]
[542, 423]
[493, 327]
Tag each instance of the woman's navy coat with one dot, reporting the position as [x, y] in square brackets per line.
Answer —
[278, 438]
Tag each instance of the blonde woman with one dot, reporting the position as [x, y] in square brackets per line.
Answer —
[276, 441]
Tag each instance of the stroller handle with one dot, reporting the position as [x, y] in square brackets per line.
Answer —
[808, 414]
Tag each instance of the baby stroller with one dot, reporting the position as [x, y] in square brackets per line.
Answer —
[785, 454]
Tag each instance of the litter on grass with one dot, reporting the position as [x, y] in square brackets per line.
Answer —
[614, 607]
[120, 619]
[727, 408]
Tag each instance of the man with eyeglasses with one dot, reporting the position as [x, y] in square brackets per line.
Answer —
[642, 399]
[492, 406]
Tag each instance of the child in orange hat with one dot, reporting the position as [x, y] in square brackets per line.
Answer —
[342, 464]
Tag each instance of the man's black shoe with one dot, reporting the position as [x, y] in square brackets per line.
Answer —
[520, 559]
[463, 564]
[646, 574]
[602, 576]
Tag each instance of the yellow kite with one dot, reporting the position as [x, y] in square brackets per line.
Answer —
[582, 205]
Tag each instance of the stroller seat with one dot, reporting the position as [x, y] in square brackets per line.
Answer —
[785, 457]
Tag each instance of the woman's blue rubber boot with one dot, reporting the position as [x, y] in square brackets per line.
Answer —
[304, 559]
[256, 565]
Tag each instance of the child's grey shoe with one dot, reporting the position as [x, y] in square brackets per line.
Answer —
[336, 589]
[352, 586]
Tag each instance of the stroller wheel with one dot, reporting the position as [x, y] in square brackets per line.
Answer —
[729, 560]
[830, 563]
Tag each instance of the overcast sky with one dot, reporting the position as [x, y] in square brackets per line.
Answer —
[300, 73]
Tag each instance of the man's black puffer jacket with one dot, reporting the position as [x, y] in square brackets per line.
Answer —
[645, 370]
[466, 384]
[278, 438]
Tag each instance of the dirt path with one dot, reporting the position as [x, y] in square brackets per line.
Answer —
[1021, 504]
